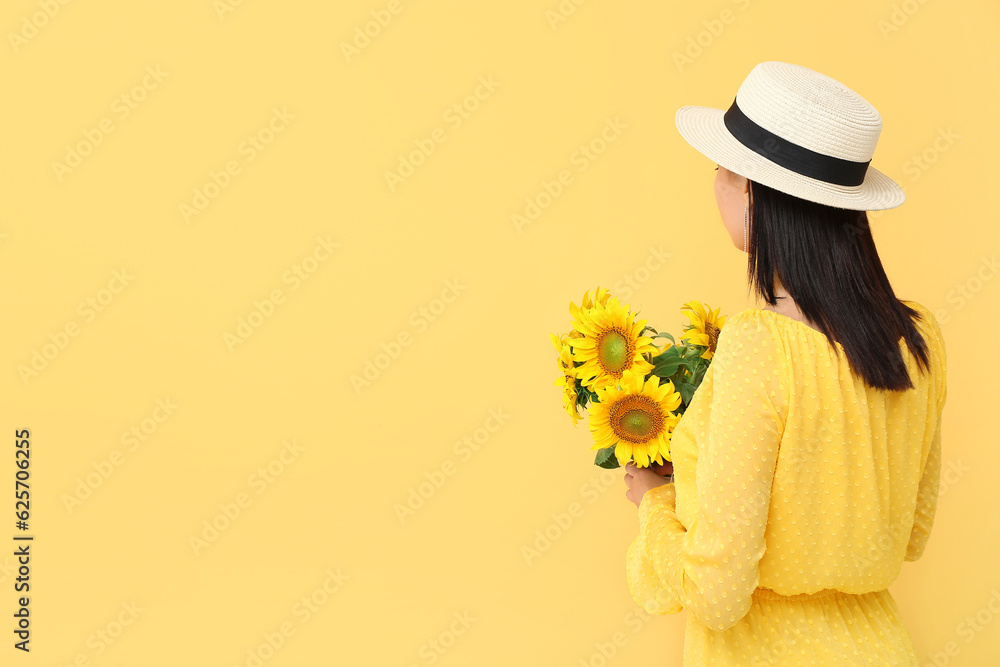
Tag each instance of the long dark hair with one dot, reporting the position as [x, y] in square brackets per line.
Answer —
[825, 258]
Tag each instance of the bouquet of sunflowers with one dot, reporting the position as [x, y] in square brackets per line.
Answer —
[633, 391]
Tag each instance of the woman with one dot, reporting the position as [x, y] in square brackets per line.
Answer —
[807, 463]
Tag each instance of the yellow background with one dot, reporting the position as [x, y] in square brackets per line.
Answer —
[404, 584]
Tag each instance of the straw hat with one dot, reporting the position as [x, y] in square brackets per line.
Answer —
[800, 132]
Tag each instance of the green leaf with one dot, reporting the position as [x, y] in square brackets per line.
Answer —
[681, 363]
[582, 396]
[606, 458]
[695, 352]
[666, 335]
[673, 352]
[667, 368]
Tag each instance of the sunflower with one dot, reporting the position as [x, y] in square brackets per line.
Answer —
[601, 296]
[637, 419]
[568, 379]
[705, 327]
[609, 343]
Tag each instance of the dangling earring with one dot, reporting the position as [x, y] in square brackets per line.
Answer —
[746, 213]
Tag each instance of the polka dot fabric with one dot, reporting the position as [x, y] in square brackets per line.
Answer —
[799, 492]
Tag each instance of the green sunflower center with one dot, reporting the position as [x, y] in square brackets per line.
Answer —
[636, 419]
[615, 351]
[713, 335]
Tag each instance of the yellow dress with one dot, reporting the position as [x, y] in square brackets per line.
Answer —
[799, 492]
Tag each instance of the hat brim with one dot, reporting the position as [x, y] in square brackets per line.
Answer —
[705, 130]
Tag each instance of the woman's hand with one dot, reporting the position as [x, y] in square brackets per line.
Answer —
[639, 480]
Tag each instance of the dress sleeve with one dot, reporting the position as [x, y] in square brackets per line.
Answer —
[643, 584]
[930, 478]
[927, 496]
[711, 568]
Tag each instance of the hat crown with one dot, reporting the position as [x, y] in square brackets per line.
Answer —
[810, 109]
